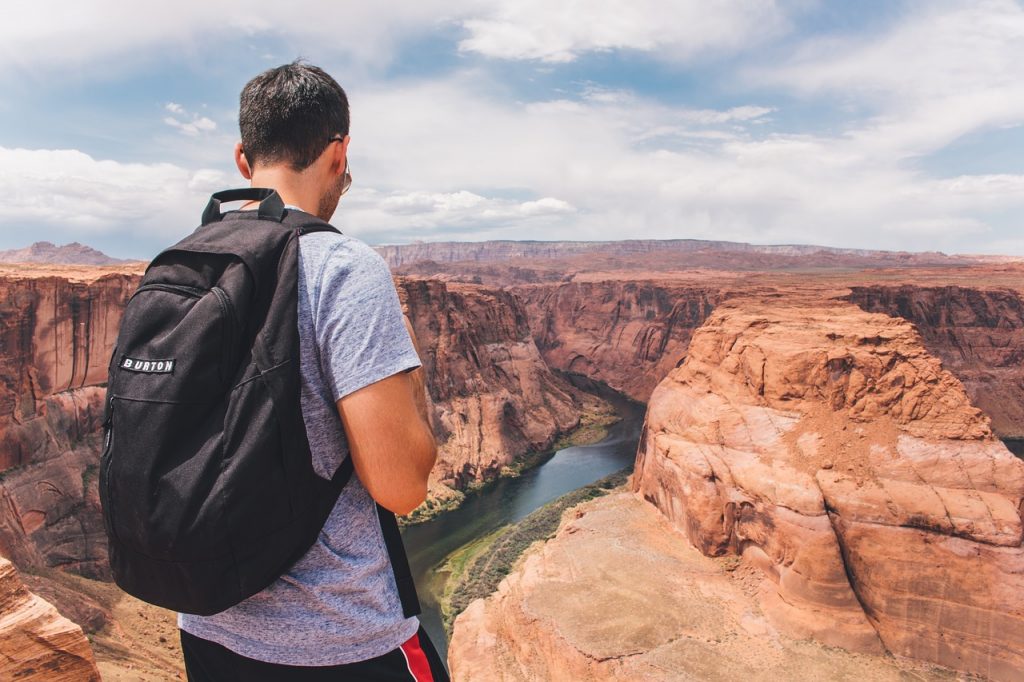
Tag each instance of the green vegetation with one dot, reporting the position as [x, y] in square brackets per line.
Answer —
[475, 570]
[593, 428]
[433, 507]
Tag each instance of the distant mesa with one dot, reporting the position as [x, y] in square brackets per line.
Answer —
[68, 254]
[506, 262]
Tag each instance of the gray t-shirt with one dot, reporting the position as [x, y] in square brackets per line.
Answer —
[339, 603]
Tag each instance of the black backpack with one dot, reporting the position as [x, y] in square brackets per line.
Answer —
[206, 478]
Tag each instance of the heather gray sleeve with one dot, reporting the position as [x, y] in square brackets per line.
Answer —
[359, 328]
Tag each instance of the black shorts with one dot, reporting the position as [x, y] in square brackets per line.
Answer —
[414, 661]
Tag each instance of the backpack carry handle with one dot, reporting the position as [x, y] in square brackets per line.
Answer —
[271, 204]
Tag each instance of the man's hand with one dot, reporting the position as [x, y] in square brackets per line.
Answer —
[390, 439]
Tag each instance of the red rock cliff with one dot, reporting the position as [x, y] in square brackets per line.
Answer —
[493, 397]
[827, 447]
[56, 338]
[978, 334]
[628, 334]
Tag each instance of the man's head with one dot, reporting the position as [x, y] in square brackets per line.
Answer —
[294, 120]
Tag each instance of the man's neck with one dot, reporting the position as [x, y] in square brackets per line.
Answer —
[290, 185]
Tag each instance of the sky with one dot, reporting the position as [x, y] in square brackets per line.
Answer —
[881, 124]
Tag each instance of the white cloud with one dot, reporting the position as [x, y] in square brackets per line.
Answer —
[630, 166]
[375, 215]
[74, 34]
[674, 29]
[68, 188]
[950, 68]
[192, 125]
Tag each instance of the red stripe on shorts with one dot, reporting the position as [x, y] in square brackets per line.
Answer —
[417, 660]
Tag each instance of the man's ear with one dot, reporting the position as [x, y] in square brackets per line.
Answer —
[241, 162]
[340, 155]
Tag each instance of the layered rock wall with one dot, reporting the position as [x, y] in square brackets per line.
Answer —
[628, 334]
[36, 642]
[977, 332]
[56, 338]
[493, 397]
[827, 447]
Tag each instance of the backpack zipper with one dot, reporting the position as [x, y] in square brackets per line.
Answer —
[191, 292]
[108, 455]
[231, 337]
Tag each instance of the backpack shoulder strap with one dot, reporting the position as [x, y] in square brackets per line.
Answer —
[399, 562]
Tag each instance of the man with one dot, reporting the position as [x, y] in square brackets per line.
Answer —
[335, 614]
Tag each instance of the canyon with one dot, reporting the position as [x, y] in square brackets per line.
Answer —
[492, 401]
[773, 533]
[493, 398]
[851, 493]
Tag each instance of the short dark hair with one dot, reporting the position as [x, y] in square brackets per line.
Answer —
[289, 113]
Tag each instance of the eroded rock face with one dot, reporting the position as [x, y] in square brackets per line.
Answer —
[56, 338]
[628, 334]
[978, 334]
[826, 446]
[36, 642]
[493, 397]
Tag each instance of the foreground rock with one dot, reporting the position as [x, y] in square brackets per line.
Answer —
[827, 447]
[619, 594]
[36, 642]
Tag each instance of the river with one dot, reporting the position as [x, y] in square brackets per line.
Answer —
[510, 499]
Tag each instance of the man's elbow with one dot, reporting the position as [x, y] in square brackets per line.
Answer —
[405, 502]
[403, 499]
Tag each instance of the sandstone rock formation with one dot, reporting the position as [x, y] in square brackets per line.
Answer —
[826, 446]
[493, 397]
[977, 332]
[36, 642]
[619, 594]
[628, 334]
[56, 338]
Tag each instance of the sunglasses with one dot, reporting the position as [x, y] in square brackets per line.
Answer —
[346, 182]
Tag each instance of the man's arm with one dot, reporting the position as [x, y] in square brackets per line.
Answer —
[390, 439]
